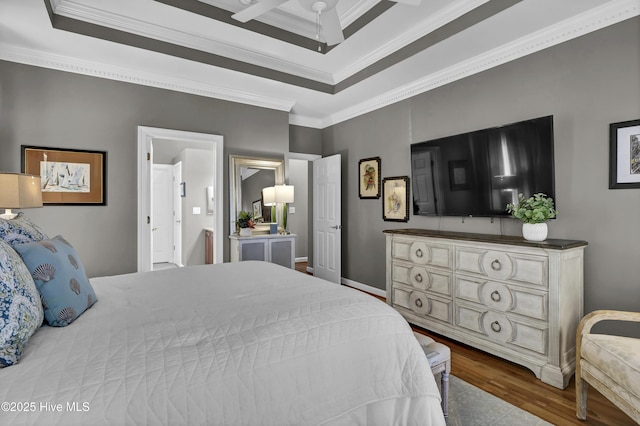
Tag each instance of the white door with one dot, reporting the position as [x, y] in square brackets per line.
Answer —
[327, 233]
[177, 214]
[162, 213]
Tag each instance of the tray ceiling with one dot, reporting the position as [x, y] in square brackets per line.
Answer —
[391, 50]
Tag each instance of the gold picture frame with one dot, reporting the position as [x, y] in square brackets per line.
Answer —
[395, 199]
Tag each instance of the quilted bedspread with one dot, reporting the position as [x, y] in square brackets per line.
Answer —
[247, 343]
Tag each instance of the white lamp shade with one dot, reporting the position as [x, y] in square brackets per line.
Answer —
[284, 193]
[269, 196]
[19, 191]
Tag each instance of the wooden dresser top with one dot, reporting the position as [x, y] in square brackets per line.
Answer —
[551, 244]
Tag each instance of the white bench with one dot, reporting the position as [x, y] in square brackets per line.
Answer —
[439, 357]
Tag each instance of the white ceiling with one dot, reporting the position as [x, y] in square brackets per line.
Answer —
[369, 70]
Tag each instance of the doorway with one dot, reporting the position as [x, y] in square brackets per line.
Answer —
[167, 213]
[146, 136]
[163, 236]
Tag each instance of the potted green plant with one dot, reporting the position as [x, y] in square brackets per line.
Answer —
[245, 223]
[534, 212]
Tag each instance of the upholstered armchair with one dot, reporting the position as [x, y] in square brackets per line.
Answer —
[611, 364]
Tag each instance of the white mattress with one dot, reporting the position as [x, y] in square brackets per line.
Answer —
[245, 343]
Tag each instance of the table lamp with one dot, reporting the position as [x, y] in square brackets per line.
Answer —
[19, 191]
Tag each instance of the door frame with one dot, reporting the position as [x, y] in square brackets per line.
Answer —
[309, 158]
[177, 212]
[145, 137]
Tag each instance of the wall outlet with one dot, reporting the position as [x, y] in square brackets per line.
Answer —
[196, 210]
[292, 209]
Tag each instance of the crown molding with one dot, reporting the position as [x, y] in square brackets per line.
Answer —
[110, 72]
[447, 15]
[304, 121]
[78, 11]
[592, 20]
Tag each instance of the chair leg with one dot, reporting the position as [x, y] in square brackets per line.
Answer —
[445, 393]
[581, 398]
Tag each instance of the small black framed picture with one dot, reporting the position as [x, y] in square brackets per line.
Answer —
[624, 155]
[369, 177]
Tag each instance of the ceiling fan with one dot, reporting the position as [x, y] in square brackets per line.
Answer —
[325, 10]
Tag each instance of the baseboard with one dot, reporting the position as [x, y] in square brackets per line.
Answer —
[358, 286]
[364, 287]
[302, 259]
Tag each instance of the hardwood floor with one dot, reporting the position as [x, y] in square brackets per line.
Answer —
[518, 386]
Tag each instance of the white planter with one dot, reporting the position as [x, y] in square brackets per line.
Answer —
[535, 231]
[245, 232]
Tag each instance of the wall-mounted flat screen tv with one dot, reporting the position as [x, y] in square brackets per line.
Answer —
[478, 173]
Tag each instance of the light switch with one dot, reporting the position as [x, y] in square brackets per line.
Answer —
[196, 210]
[292, 209]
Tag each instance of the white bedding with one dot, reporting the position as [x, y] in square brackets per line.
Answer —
[246, 343]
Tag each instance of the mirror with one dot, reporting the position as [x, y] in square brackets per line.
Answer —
[247, 177]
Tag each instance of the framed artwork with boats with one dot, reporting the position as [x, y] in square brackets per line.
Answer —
[68, 176]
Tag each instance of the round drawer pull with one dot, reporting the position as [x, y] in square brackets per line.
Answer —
[418, 278]
[495, 296]
[496, 265]
[419, 253]
[418, 303]
[495, 326]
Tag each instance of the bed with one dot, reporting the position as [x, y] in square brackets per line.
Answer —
[247, 343]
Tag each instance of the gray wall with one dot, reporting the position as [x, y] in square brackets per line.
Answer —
[58, 109]
[305, 140]
[586, 84]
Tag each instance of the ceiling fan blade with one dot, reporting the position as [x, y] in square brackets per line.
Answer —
[409, 2]
[256, 10]
[331, 27]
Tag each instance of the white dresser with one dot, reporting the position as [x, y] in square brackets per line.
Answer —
[274, 248]
[516, 299]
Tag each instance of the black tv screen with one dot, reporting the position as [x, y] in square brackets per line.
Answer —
[478, 173]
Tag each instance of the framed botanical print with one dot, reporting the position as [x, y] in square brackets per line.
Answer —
[624, 155]
[395, 199]
[68, 176]
[369, 177]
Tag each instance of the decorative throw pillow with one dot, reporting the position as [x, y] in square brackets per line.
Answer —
[20, 230]
[20, 307]
[60, 279]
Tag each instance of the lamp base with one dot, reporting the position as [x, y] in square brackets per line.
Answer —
[7, 215]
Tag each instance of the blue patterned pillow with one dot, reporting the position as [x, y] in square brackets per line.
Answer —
[60, 278]
[20, 230]
[20, 306]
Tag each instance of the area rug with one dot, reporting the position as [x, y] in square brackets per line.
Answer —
[471, 406]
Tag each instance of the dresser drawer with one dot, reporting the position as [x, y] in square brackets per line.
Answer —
[421, 304]
[421, 278]
[422, 253]
[503, 297]
[516, 267]
[504, 329]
